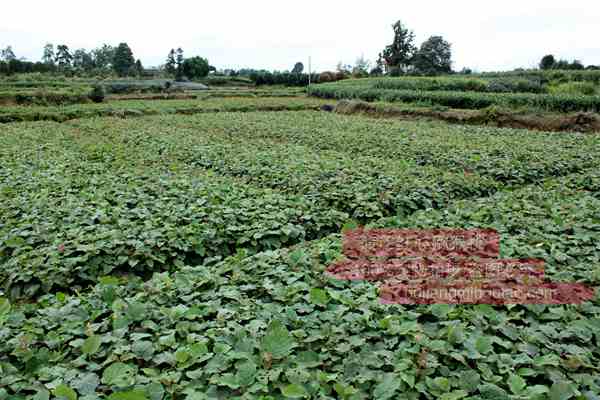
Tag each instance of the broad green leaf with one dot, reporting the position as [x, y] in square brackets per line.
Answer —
[130, 395]
[246, 373]
[516, 384]
[155, 391]
[91, 345]
[42, 394]
[294, 391]
[64, 392]
[483, 344]
[454, 395]
[387, 388]
[319, 297]
[562, 391]
[119, 375]
[277, 341]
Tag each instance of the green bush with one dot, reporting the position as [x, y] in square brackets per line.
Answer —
[575, 88]
[97, 94]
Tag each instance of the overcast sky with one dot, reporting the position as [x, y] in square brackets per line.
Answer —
[485, 35]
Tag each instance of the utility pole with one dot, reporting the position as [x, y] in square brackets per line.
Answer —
[309, 72]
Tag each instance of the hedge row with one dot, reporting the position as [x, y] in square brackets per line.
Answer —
[500, 85]
[464, 100]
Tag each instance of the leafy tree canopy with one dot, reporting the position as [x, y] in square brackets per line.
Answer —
[195, 67]
[123, 61]
[399, 54]
[434, 57]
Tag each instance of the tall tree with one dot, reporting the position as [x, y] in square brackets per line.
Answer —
[179, 59]
[434, 57]
[547, 62]
[170, 65]
[195, 67]
[298, 68]
[139, 68]
[63, 57]
[103, 57]
[123, 61]
[399, 54]
[82, 61]
[7, 54]
[48, 57]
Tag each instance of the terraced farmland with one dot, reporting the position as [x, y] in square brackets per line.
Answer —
[174, 256]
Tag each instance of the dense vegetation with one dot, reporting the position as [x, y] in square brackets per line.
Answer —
[180, 254]
[471, 94]
[213, 102]
[166, 257]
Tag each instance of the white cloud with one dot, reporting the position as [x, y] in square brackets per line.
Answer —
[275, 34]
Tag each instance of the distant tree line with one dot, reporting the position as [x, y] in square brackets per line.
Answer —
[104, 60]
[100, 61]
[401, 57]
[549, 62]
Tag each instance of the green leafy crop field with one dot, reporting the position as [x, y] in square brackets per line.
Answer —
[183, 256]
[137, 108]
[410, 91]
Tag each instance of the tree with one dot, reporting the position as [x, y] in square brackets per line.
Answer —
[7, 54]
[103, 57]
[82, 61]
[139, 68]
[577, 65]
[399, 54]
[361, 67]
[547, 62]
[562, 64]
[63, 57]
[48, 57]
[123, 60]
[195, 67]
[179, 60]
[171, 64]
[298, 68]
[434, 57]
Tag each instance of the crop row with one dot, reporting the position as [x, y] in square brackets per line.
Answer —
[135, 108]
[274, 325]
[95, 186]
[508, 156]
[86, 199]
[75, 208]
[43, 98]
[548, 75]
[365, 187]
[460, 84]
[461, 100]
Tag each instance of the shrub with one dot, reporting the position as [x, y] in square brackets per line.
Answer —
[583, 88]
[327, 77]
[97, 94]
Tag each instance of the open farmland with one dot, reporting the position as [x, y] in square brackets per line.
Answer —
[137, 108]
[174, 256]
